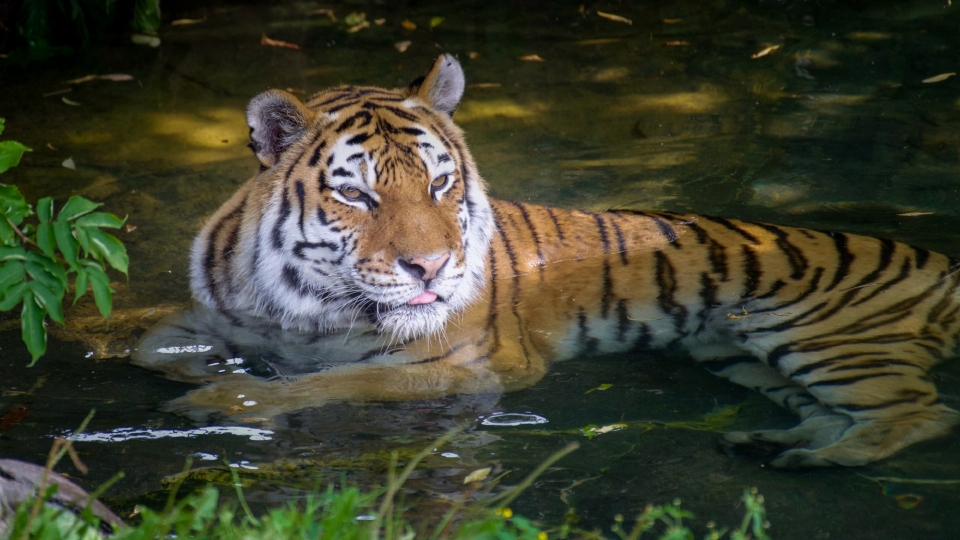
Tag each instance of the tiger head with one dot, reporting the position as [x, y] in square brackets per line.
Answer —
[368, 204]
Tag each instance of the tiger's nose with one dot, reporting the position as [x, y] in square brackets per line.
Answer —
[424, 268]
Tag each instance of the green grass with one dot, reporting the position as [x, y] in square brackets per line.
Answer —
[347, 512]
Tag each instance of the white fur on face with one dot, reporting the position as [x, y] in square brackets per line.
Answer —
[328, 291]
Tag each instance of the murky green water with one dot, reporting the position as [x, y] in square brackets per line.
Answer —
[833, 130]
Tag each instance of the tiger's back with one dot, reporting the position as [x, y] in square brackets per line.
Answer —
[368, 207]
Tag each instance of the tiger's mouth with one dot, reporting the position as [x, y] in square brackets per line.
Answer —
[411, 319]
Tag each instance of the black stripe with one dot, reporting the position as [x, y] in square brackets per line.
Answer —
[533, 231]
[349, 122]
[315, 158]
[209, 260]
[285, 210]
[623, 320]
[840, 241]
[732, 227]
[811, 288]
[556, 223]
[667, 285]
[607, 295]
[921, 256]
[666, 230]
[301, 196]
[904, 274]
[602, 228]
[358, 139]
[589, 344]
[905, 396]
[844, 381]
[412, 131]
[621, 242]
[292, 279]
[717, 253]
[300, 246]
[795, 256]
[828, 362]
[393, 110]
[751, 268]
[340, 171]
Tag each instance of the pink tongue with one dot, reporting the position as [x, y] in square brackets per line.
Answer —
[423, 298]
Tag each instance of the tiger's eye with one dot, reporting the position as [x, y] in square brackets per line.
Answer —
[351, 192]
[440, 181]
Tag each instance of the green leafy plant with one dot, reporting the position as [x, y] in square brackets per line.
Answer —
[39, 257]
[344, 512]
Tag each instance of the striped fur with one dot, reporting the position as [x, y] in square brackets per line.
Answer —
[839, 328]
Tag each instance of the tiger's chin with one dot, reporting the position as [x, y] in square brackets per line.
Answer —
[406, 322]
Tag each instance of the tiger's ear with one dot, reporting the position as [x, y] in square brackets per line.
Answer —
[277, 119]
[442, 87]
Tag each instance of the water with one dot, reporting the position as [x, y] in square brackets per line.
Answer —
[832, 130]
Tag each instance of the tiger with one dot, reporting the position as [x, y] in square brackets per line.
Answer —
[368, 211]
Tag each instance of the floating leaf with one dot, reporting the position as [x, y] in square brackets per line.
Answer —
[608, 429]
[478, 475]
[435, 22]
[908, 501]
[408, 25]
[671, 21]
[939, 78]
[402, 45]
[327, 12]
[485, 85]
[616, 18]
[80, 80]
[354, 18]
[10, 153]
[145, 39]
[264, 40]
[765, 51]
[69, 101]
[532, 58]
[379, 22]
[187, 22]
[601, 388]
[358, 27]
[474, 55]
[33, 332]
[676, 43]
[116, 77]
[13, 417]
[588, 430]
[916, 214]
[69, 163]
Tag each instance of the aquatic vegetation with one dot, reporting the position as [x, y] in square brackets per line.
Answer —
[348, 512]
[39, 258]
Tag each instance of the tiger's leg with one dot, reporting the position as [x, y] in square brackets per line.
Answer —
[892, 404]
[819, 426]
